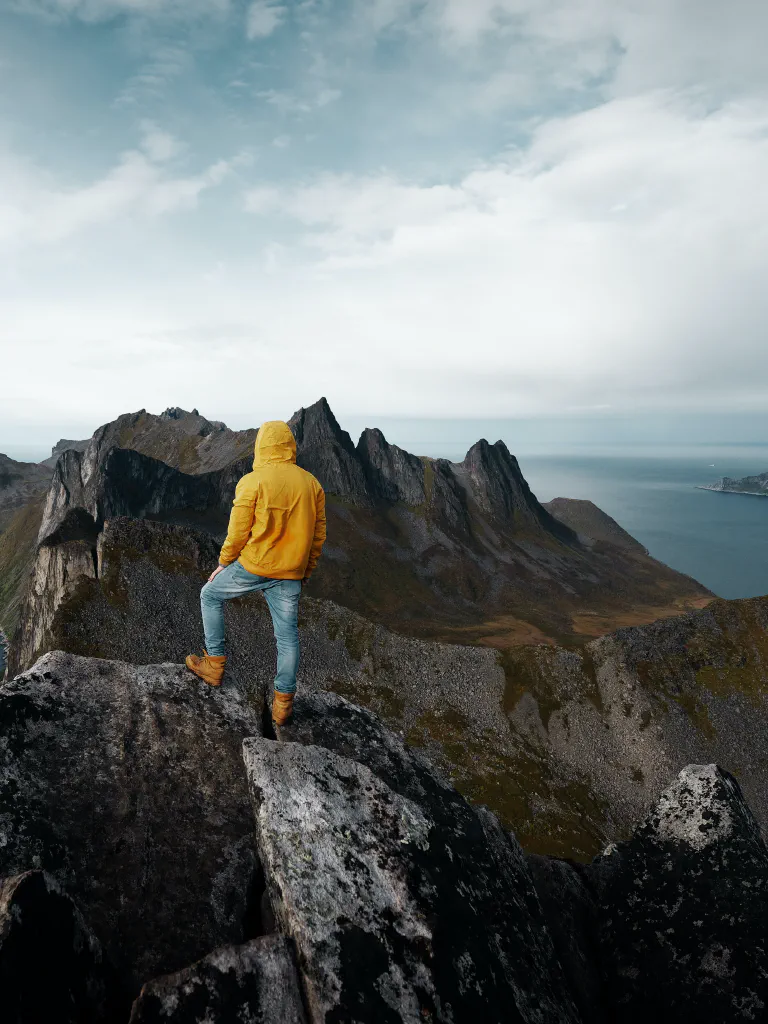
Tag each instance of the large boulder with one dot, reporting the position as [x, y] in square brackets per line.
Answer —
[255, 983]
[52, 967]
[404, 903]
[684, 908]
[126, 785]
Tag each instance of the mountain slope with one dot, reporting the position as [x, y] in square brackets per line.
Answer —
[20, 483]
[568, 747]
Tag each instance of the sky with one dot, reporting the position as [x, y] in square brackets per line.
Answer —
[534, 209]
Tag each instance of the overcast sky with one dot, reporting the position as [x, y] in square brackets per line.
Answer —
[455, 208]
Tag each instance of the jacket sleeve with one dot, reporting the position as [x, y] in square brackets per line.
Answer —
[319, 537]
[240, 523]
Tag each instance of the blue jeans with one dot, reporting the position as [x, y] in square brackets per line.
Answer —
[283, 599]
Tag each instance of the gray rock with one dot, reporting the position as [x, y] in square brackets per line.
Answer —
[326, 451]
[684, 908]
[392, 474]
[403, 907]
[571, 915]
[255, 983]
[330, 721]
[52, 968]
[64, 446]
[501, 490]
[126, 785]
[92, 486]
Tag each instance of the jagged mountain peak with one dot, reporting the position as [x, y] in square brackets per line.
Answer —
[502, 491]
[327, 451]
[316, 424]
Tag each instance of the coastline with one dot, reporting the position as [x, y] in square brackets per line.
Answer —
[730, 490]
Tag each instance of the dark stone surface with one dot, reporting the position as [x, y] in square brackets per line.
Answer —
[571, 915]
[124, 482]
[126, 784]
[326, 451]
[501, 490]
[52, 968]
[684, 908]
[433, 905]
[392, 473]
[255, 983]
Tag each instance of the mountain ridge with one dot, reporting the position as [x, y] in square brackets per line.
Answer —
[462, 551]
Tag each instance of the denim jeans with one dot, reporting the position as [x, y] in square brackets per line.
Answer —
[283, 599]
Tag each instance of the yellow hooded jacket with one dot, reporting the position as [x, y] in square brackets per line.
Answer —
[277, 523]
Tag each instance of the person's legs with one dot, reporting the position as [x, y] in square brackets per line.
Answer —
[283, 600]
[234, 581]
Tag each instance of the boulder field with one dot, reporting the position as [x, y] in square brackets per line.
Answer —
[165, 856]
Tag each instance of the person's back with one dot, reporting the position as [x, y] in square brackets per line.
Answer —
[276, 533]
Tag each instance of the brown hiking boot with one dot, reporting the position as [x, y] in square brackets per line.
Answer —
[282, 707]
[209, 668]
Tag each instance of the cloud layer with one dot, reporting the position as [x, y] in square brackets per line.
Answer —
[450, 207]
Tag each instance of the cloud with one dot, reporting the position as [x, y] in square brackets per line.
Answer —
[34, 211]
[264, 17]
[608, 261]
[105, 10]
[159, 146]
[509, 208]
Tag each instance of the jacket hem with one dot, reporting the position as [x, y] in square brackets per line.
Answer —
[273, 574]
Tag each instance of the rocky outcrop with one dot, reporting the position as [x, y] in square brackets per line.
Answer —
[326, 451]
[684, 908]
[184, 440]
[392, 474]
[403, 907]
[64, 446]
[125, 785]
[52, 967]
[56, 574]
[394, 900]
[89, 488]
[592, 524]
[571, 914]
[500, 489]
[256, 982]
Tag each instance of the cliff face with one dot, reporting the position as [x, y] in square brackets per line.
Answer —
[329, 873]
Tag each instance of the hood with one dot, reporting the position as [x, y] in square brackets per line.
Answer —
[274, 443]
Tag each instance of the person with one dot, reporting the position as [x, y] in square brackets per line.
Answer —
[276, 533]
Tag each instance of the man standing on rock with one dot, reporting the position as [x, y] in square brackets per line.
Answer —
[276, 533]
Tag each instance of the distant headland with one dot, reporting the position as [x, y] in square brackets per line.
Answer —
[756, 486]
